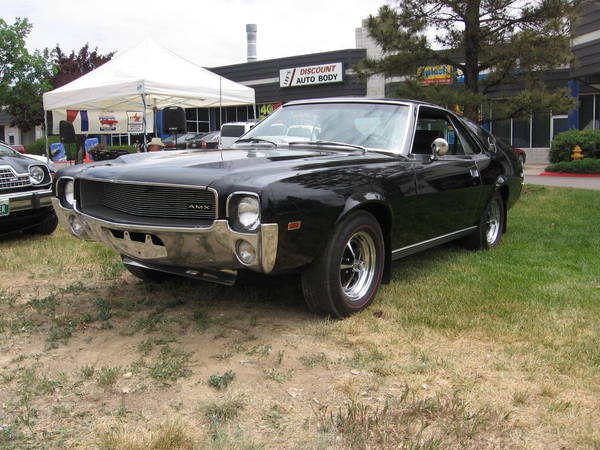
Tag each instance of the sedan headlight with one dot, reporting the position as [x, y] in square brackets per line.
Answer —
[244, 212]
[36, 174]
[69, 193]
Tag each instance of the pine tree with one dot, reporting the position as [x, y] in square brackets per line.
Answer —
[493, 43]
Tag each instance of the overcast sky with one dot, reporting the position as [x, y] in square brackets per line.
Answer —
[210, 32]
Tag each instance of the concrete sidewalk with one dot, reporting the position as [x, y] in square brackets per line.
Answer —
[532, 176]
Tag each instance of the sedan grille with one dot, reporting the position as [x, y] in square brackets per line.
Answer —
[9, 179]
[152, 201]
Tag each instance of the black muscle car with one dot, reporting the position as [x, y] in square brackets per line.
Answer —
[332, 188]
[25, 194]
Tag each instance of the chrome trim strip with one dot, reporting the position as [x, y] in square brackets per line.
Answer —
[126, 226]
[414, 248]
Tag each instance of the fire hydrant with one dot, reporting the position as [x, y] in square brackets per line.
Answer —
[577, 153]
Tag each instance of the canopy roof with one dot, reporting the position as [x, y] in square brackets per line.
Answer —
[166, 78]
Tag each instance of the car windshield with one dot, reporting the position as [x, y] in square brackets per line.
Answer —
[370, 125]
[7, 151]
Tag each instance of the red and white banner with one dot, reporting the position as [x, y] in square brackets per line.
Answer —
[309, 75]
[103, 122]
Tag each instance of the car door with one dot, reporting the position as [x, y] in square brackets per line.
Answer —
[448, 187]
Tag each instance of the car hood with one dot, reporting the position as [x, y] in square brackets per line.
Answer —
[18, 162]
[253, 168]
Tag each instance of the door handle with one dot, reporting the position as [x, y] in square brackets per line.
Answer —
[474, 172]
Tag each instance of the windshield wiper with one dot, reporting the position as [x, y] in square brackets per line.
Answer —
[253, 139]
[329, 143]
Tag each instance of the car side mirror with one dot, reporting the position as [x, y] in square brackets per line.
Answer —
[439, 147]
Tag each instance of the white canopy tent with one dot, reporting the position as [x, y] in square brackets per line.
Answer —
[147, 76]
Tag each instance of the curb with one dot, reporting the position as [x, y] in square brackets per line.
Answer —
[564, 174]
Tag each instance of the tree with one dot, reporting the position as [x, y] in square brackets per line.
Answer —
[71, 67]
[494, 43]
[24, 76]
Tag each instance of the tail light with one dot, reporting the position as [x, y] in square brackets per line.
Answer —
[203, 145]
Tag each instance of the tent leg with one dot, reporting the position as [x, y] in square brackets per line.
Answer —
[46, 137]
[144, 123]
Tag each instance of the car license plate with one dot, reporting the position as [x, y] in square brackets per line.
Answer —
[4, 207]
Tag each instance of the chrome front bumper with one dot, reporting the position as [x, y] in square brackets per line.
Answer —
[212, 247]
[23, 201]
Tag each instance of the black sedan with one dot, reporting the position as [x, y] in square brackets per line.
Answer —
[205, 140]
[25, 194]
[366, 182]
[177, 142]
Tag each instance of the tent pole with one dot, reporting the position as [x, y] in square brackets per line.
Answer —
[220, 106]
[144, 122]
[46, 136]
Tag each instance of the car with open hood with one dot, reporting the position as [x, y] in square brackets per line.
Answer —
[25, 194]
[333, 189]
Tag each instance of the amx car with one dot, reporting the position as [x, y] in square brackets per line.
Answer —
[370, 182]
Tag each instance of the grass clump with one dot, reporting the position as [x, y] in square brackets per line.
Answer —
[170, 365]
[170, 435]
[88, 371]
[410, 422]
[108, 376]
[223, 411]
[220, 382]
[314, 360]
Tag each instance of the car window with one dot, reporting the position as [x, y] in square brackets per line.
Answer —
[7, 151]
[433, 124]
[232, 130]
[372, 125]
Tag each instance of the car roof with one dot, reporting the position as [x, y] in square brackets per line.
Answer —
[360, 100]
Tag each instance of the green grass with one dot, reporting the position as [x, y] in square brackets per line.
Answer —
[220, 382]
[538, 291]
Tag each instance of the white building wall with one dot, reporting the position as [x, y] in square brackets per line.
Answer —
[375, 83]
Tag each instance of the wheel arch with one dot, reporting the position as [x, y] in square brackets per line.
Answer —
[382, 212]
[504, 193]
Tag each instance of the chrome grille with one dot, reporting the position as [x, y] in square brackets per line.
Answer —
[154, 201]
[9, 179]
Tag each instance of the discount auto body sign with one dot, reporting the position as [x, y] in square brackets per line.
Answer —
[305, 76]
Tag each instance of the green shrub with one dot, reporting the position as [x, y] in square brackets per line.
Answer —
[38, 147]
[563, 144]
[587, 165]
[129, 148]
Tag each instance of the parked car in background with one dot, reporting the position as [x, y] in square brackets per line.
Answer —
[205, 140]
[25, 194]
[177, 142]
[231, 132]
[383, 179]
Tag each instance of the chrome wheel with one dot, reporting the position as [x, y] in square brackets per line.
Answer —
[357, 266]
[493, 221]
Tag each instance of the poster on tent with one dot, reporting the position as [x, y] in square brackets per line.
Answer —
[103, 122]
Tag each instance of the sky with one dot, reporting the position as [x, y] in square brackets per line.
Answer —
[210, 33]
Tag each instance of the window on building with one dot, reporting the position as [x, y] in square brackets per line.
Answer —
[541, 130]
[120, 139]
[501, 129]
[196, 120]
[520, 133]
[11, 139]
[586, 112]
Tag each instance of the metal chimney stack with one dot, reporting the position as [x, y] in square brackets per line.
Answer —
[251, 38]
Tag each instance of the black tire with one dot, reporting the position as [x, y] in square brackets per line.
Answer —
[47, 226]
[490, 227]
[149, 275]
[322, 281]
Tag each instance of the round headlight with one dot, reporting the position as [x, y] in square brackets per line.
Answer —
[248, 212]
[36, 174]
[69, 192]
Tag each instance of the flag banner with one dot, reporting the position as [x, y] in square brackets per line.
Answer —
[103, 122]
